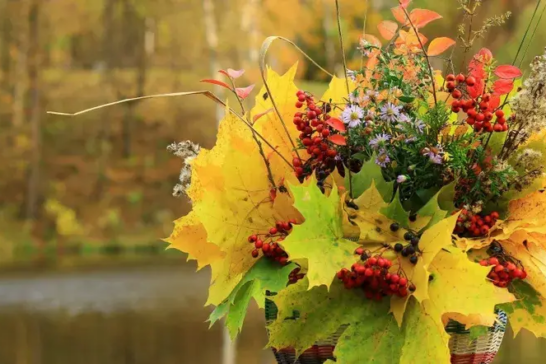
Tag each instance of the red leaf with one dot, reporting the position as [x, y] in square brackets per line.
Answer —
[508, 71]
[336, 124]
[421, 17]
[258, 116]
[477, 89]
[338, 139]
[219, 83]
[404, 3]
[243, 92]
[387, 29]
[494, 102]
[399, 15]
[440, 45]
[503, 87]
[232, 73]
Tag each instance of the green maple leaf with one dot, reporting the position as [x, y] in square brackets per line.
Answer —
[264, 276]
[528, 312]
[319, 240]
[362, 180]
[395, 211]
[321, 313]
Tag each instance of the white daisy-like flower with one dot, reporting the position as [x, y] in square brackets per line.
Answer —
[352, 115]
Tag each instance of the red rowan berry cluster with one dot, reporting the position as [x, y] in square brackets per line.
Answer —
[503, 271]
[295, 276]
[480, 112]
[312, 123]
[475, 224]
[269, 243]
[374, 278]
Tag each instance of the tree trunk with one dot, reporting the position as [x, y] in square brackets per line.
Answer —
[249, 26]
[327, 28]
[211, 35]
[104, 132]
[34, 109]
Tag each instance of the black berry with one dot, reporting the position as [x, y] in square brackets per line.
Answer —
[415, 241]
[398, 247]
[413, 218]
[395, 226]
[405, 252]
[414, 259]
[408, 236]
[411, 250]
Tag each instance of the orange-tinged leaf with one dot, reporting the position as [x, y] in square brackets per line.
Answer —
[338, 139]
[508, 72]
[336, 124]
[404, 3]
[218, 83]
[263, 113]
[440, 45]
[387, 29]
[243, 92]
[371, 39]
[399, 15]
[421, 17]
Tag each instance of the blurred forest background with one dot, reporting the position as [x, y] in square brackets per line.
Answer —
[104, 179]
[97, 188]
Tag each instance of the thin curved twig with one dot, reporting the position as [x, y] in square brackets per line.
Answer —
[207, 94]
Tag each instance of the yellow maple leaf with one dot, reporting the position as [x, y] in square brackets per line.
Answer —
[190, 236]
[231, 188]
[374, 226]
[432, 241]
[337, 94]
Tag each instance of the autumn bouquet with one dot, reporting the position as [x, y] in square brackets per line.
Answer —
[401, 200]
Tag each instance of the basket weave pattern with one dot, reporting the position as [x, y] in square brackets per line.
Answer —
[463, 349]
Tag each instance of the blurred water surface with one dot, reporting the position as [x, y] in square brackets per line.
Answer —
[138, 315]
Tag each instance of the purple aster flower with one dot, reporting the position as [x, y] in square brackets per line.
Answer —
[379, 141]
[420, 125]
[435, 155]
[390, 112]
[371, 95]
[382, 159]
[404, 118]
[411, 139]
[352, 115]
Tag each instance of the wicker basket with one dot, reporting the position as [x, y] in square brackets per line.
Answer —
[463, 349]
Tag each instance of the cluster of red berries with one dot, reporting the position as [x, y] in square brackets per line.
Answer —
[312, 123]
[503, 271]
[479, 111]
[374, 278]
[269, 243]
[475, 224]
[295, 276]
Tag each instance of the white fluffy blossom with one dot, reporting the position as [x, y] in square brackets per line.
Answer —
[529, 105]
[187, 151]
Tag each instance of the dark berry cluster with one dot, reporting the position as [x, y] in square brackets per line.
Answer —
[503, 270]
[411, 248]
[312, 122]
[374, 278]
[480, 112]
[295, 276]
[269, 243]
[474, 224]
